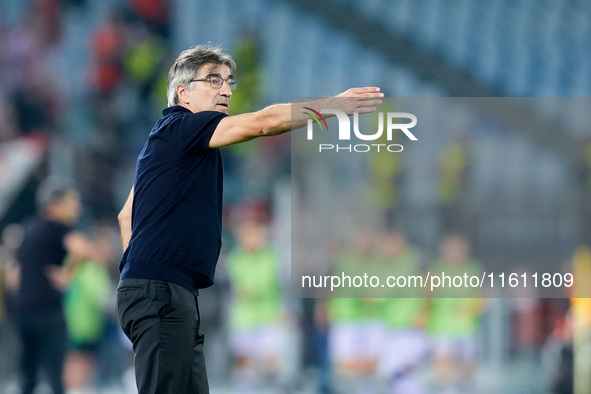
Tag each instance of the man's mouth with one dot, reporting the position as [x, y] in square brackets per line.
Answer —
[223, 104]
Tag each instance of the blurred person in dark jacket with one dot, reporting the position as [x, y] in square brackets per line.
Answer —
[43, 277]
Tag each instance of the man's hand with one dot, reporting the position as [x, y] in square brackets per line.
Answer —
[59, 277]
[360, 100]
[12, 278]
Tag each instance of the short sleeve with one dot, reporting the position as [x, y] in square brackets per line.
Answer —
[194, 130]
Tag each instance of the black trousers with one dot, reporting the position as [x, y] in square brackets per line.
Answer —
[44, 339]
[162, 321]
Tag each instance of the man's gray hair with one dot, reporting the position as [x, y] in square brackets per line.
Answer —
[188, 64]
[52, 190]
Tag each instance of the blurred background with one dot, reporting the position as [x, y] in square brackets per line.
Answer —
[83, 81]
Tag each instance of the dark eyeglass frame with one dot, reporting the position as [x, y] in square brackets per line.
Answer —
[218, 82]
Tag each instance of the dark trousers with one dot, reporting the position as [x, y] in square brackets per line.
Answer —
[43, 336]
[162, 321]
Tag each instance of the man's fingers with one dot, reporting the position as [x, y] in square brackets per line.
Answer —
[362, 100]
[365, 106]
[373, 91]
[370, 95]
[365, 90]
[367, 103]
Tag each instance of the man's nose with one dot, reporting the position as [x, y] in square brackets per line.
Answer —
[225, 90]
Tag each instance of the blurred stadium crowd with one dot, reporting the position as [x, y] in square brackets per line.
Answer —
[82, 81]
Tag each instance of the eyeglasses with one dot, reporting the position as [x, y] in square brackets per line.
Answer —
[218, 82]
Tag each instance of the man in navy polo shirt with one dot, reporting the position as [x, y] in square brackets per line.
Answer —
[171, 223]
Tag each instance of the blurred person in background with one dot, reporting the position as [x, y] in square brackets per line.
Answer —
[404, 345]
[355, 332]
[454, 168]
[43, 278]
[11, 239]
[171, 221]
[9, 272]
[454, 319]
[86, 302]
[558, 363]
[256, 310]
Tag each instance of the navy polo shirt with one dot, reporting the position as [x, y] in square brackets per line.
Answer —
[177, 206]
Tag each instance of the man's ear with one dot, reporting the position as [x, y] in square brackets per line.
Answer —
[181, 92]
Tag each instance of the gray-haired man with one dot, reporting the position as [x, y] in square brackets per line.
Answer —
[171, 223]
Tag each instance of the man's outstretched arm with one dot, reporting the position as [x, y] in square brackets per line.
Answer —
[281, 118]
